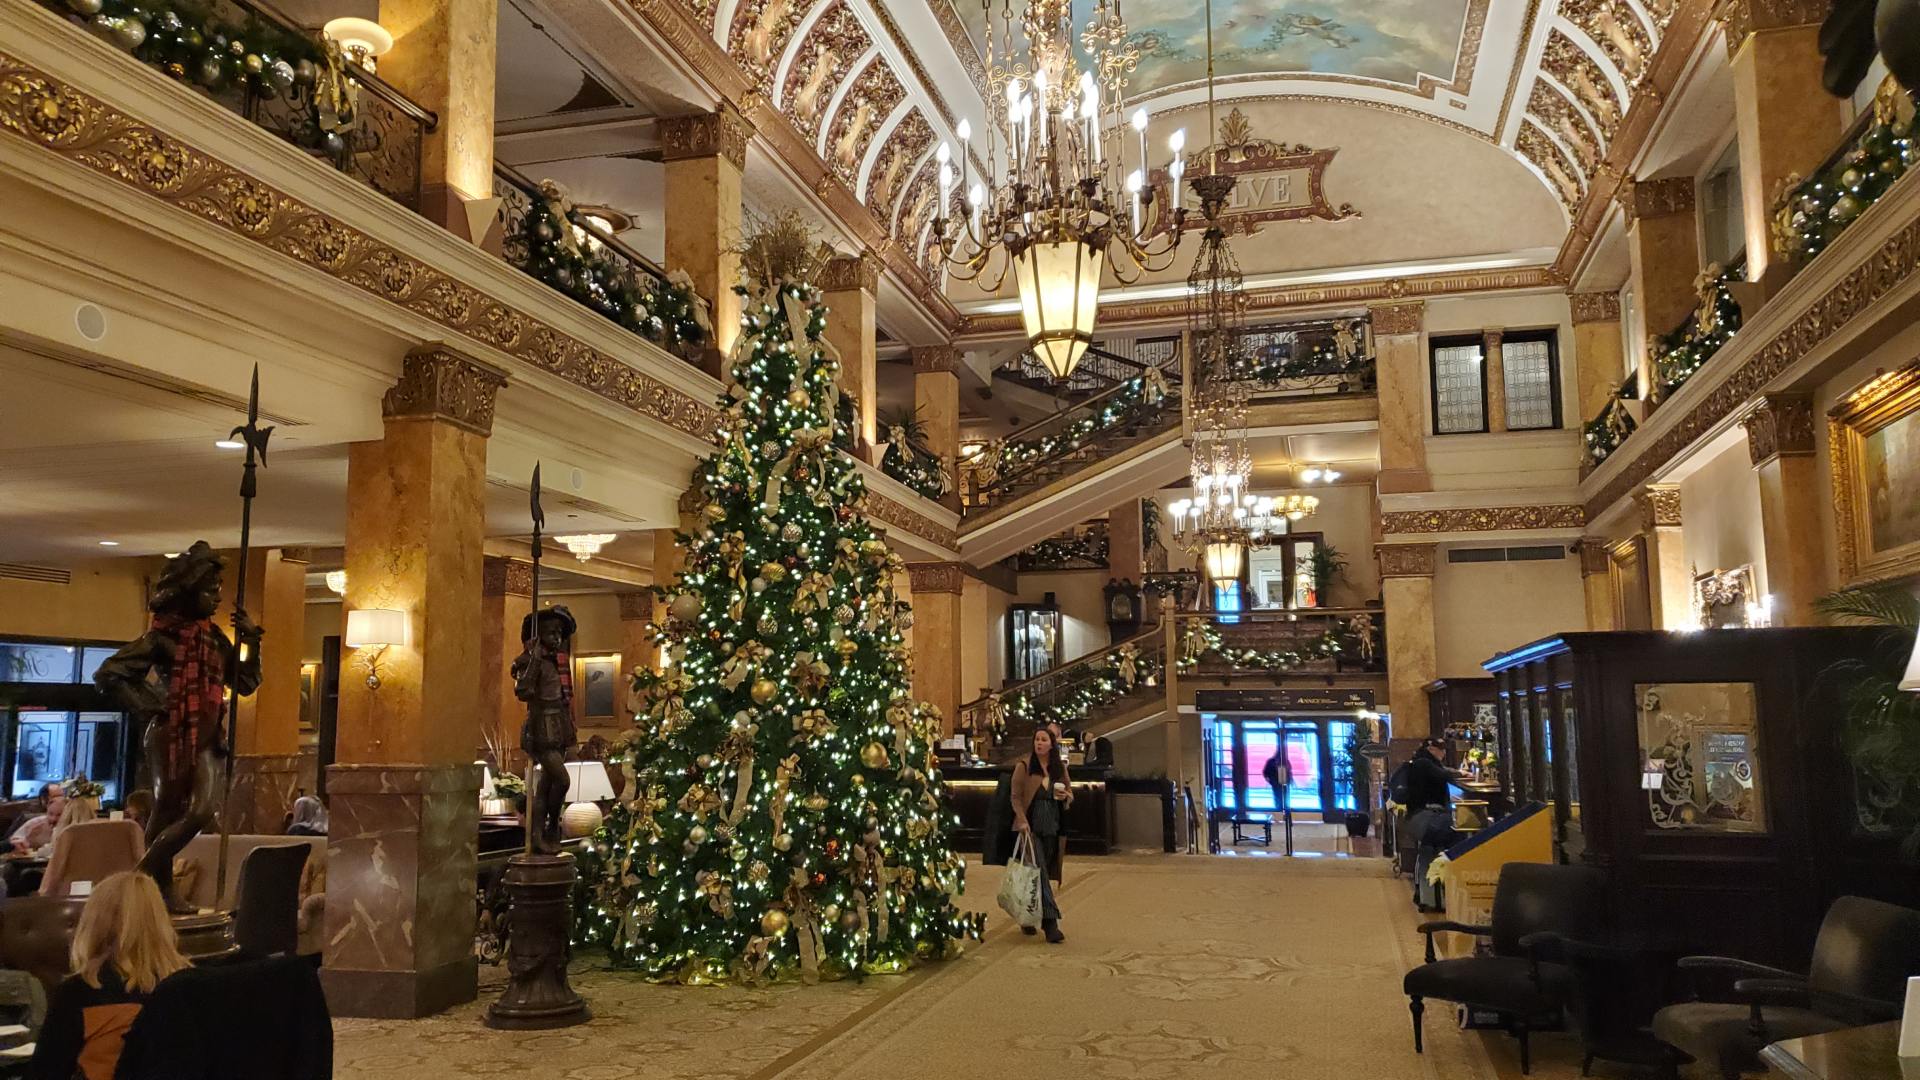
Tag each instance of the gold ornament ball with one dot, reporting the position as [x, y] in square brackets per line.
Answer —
[816, 802]
[798, 399]
[774, 922]
[783, 842]
[849, 919]
[847, 646]
[697, 834]
[873, 756]
[763, 690]
[716, 512]
[859, 780]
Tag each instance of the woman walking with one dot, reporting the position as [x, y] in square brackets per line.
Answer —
[1041, 792]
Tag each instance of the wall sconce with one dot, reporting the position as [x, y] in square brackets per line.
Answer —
[375, 629]
[363, 40]
[337, 582]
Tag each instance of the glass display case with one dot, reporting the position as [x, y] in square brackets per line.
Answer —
[1033, 639]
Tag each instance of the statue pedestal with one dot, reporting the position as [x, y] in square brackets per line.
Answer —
[204, 935]
[537, 994]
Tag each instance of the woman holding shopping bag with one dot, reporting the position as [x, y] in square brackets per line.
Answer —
[1041, 793]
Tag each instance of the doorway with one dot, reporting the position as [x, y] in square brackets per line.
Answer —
[1316, 749]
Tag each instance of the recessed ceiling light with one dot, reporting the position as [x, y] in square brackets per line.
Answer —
[109, 543]
[170, 554]
[230, 444]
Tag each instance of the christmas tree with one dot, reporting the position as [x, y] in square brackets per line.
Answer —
[787, 816]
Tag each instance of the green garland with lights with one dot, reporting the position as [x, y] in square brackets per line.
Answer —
[564, 253]
[787, 817]
[1604, 433]
[1814, 211]
[1203, 641]
[1678, 355]
[1098, 687]
[918, 468]
[1137, 399]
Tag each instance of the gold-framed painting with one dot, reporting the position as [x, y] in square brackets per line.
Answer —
[1875, 437]
[596, 685]
[310, 696]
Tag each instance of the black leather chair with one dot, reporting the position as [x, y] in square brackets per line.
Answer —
[1861, 961]
[266, 909]
[1535, 905]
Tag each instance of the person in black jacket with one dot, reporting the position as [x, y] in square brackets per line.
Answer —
[123, 949]
[1429, 801]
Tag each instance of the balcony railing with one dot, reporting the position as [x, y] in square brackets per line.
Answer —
[1274, 643]
[1879, 149]
[1083, 547]
[1127, 673]
[1109, 363]
[1307, 357]
[255, 61]
[1041, 452]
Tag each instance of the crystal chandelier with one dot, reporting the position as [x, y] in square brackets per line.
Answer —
[1058, 196]
[585, 545]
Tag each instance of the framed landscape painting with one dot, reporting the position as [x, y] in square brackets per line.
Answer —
[1875, 435]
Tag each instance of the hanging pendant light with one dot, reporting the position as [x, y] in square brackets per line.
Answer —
[1059, 286]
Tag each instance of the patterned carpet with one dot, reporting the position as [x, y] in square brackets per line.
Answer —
[1173, 967]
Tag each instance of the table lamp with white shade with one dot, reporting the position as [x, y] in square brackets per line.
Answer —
[588, 786]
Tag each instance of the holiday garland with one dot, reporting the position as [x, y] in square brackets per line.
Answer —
[1815, 210]
[1203, 640]
[564, 253]
[1096, 686]
[1678, 355]
[1134, 400]
[917, 467]
[1604, 433]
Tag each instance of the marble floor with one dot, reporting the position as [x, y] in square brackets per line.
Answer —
[1175, 966]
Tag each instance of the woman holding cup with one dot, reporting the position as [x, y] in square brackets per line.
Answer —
[1041, 793]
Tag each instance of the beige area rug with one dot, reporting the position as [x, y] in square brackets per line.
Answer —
[1175, 966]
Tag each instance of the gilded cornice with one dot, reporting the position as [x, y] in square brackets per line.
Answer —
[1405, 560]
[1879, 273]
[1594, 307]
[502, 576]
[935, 358]
[900, 42]
[1779, 425]
[900, 516]
[844, 273]
[1659, 506]
[437, 383]
[937, 577]
[1391, 319]
[1483, 519]
[89, 133]
[722, 133]
[1742, 18]
[1655, 198]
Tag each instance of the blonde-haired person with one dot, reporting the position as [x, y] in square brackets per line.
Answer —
[75, 812]
[123, 948]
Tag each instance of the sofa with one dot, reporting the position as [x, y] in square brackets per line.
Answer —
[202, 854]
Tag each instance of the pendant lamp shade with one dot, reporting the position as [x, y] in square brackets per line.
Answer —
[1059, 284]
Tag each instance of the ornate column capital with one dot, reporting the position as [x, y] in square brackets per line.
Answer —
[1659, 506]
[1594, 307]
[1398, 318]
[691, 501]
[635, 606]
[302, 555]
[1779, 425]
[1491, 339]
[1655, 198]
[437, 383]
[1742, 18]
[723, 133]
[844, 273]
[937, 577]
[1596, 556]
[935, 358]
[1405, 560]
[502, 576]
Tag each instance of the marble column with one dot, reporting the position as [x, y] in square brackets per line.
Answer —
[266, 763]
[401, 849]
[1663, 248]
[506, 598]
[1669, 580]
[1494, 370]
[1596, 581]
[637, 648]
[1406, 590]
[1599, 349]
[936, 400]
[443, 59]
[1780, 440]
[937, 589]
[1399, 346]
[705, 155]
[850, 284]
[1785, 121]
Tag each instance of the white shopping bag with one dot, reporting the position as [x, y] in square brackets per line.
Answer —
[1020, 889]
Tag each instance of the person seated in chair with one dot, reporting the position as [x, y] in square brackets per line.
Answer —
[36, 832]
[122, 950]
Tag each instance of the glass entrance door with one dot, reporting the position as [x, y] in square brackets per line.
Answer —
[1237, 752]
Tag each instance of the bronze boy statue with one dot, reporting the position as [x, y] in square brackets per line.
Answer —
[543, 678]
[173, 681]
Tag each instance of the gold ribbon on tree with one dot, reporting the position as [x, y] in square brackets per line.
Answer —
[783, 775]
[804, 916]
[742, 664]
[808, 443]
[1126, 660]
[733, 550]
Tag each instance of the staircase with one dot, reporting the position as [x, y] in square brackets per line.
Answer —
[1092, 695]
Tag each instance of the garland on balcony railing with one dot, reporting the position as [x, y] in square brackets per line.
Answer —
[1605, 433]
[1078, 550]
[1125, 671]
[1326, 359]
[1813, 211]
[1202, 640]
[1681, 353]
[566, 256]
[918, 468]
[1138, 397]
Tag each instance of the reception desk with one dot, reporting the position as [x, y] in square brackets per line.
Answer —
[1089, 821]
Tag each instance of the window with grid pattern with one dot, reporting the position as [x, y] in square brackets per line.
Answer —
[1459, 388]
[1532, 389]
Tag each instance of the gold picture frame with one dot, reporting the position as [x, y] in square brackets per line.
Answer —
[1874, 434]
[596, 686]
[310, 696]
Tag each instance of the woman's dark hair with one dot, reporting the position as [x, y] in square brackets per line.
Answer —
[1056, 769]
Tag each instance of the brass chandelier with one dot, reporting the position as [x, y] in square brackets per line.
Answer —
[1057, 198]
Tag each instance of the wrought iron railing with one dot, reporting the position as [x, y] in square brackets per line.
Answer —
[1265, 642]
[1140, 408]
[1307, 357]
[1110, 362]
[1129, 673]
[262, 65]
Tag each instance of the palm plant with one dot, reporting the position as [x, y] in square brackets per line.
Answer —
[1880, 729]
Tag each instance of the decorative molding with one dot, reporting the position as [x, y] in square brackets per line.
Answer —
[1874, 276]
[635, 606]
[905, 518]
[302, 555]
[1483, 519]
[1596, 556]
[722, 133]
[1405, 560]
[1594, 307]
[691, 501]
[1659, 506]
[935, 358]
[1655, 198]
[87, 132]
[1779, 424]
[1743, 18]
[503, 576]
[845, 273]
[437, 383]
[1238, 152]
[937, 577]
[1490, 340]
[1392, 319]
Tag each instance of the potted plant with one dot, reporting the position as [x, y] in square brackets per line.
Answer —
[1326, 564]
[1880, 727]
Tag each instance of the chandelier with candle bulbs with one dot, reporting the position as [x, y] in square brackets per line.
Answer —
[1063, 197]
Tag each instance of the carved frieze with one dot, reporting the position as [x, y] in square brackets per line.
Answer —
[820, 64]
[1594, 307]
[759, 36]
[1656, 198]
[845, 273]
[1620, 34]
[888, 512]
[1659, 506]
[437, 383]
[1405, 560]
[1743, 17]
[1568, 180]
[1568, 126]
[502, 576]
[932, 358]
[906, 144]
[723, 133]
[1391, 319]
[1780, 424]
[937, 577]
[1484, 519]
[858, 118]
[1574, 68]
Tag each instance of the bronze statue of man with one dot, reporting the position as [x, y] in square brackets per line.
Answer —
[173, 680]
[543, 678]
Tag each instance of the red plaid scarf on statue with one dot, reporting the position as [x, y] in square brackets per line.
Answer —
[196, 691]
[563, 664]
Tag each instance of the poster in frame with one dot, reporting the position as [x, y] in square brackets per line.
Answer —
[1874, 434]
[597, 685]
